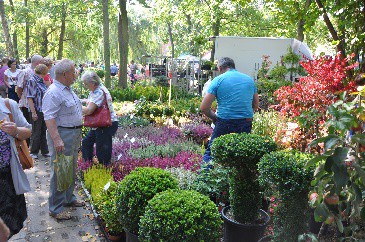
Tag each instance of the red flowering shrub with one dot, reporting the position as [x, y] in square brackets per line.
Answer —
[325, 80]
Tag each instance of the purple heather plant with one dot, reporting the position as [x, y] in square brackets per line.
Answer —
[197, 132]
[185, 159]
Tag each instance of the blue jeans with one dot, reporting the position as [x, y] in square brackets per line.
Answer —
[103, 139]
[227, 126]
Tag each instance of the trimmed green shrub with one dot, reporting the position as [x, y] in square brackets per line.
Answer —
[180, 215]
[241, 153]
[105, 205]
[136, 189]
[284, 173]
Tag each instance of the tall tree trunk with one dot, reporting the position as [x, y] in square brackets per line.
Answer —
[300, 30]
[26, 32]
[216, 28]
[44, 43]
[62, 33]
[123, 39]
[4, 23]
[171, 40]
[15, 37]
[331, 28]
[106, 42]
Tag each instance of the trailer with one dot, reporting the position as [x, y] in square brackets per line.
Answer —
[248, 52]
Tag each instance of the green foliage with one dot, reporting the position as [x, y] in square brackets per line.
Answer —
[136, 189]
[185, 178]
[340, 169]
[166, 150]
[285, 172]
[278, 73]
[241, 153]
[184, 105]
[95, 179]
[151, 110]
[176, 215]
[269, 86]
[284, 175]
[241, 150]
[268, 124]
[132, 121]
[107, 208]
[212, 181]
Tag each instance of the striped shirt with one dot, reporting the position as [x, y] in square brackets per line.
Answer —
[36, 90]
[23, 83]
[61, 103]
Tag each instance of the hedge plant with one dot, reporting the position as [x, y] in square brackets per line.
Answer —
[180, 215]
[95, 179]
[136, 189]
[283, 173]
[106, 207]
[241, 153]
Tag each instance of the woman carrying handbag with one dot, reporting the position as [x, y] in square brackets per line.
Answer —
[13, 180]
[102, 131]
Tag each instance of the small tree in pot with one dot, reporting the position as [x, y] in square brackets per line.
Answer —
[241, 153]
[180, 215]
[284, 175]
[136, 189]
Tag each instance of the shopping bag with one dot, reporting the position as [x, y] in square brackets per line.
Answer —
[63, 168]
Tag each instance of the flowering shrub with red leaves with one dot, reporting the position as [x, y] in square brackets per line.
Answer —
[325, 80]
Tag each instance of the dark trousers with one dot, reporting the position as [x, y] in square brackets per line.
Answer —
[227, 126]
[26, 115]
[12, 94]
[102, 137]
[38, 140]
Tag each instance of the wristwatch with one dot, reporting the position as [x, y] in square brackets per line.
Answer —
[17, 133]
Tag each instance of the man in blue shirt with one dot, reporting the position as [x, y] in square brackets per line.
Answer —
[237, 99]
[113, 70]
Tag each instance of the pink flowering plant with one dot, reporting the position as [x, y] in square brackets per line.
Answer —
[198, 132]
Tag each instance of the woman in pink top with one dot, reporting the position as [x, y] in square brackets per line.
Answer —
[49, 63]
[3, 84]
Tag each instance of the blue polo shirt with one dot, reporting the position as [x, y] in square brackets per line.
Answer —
[234, 92]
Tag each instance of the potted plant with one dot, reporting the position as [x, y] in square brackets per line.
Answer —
[105, 205]
[284, 175]
[135, 190]
[180, 215]
[339, 180]
[241, 153]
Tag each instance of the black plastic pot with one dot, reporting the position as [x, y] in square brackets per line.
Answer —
[267, 238]
[131, 237]
[236, 232]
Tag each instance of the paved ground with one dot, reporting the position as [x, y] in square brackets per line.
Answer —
[40, 227]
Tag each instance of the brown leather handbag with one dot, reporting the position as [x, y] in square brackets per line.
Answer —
[100, 117]
[21, 146]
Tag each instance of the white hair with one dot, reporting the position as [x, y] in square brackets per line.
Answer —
[91, 77]
[64, 65]
[36, 59]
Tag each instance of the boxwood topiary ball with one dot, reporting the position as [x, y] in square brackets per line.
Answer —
[176, 215]
[136, 189]
[241, 150]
